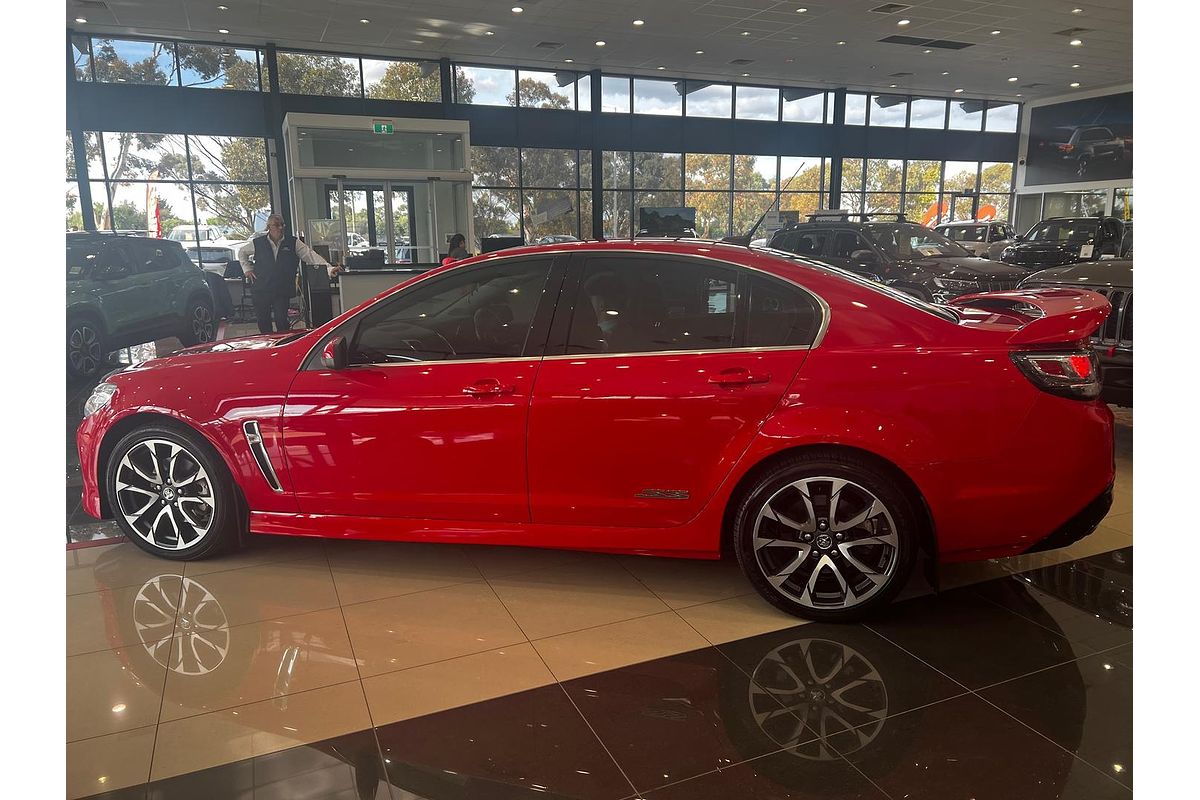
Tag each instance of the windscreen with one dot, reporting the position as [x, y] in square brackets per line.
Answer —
[902, 240]
[968, 233]
[1072, 231]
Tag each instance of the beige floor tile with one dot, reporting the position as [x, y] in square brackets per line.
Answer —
[366, 571]
[737, 618]
[125, 616]
[1122, 523]
[413, 629]
[586, 652]
[687, 582]
[234, 734]
[500, 562]
[213, 668]
[458, 682]
[111, 566]
[267, 591]
[571, 599]
[108, 763]
[115, 690]
[260, 550]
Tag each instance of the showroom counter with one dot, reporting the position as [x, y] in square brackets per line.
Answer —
[355, 286]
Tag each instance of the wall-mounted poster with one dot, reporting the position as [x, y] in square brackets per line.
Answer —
[1081, 141]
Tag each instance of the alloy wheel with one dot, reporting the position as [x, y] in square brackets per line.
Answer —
[202, 324]
[83, 349]
[169, 604]
[165, 494]
[807, 691]
[826, 543]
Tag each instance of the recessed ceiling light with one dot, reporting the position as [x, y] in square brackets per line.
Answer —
[958, 91]
[891, 86]
[1074, 66]
[1020, 95]
[222, 30]
[995, 33]
[801, 10]
[365, 21]
[660, 66]
[1076, 42]
[222, 8]
[745, 33]
[517, 9]
[1013, 80]
[745, 74]
[80, 20]
[699, 52]
[601, 43]
[489, 33]
[926, 52]
[945, 73]
[841, 42]
[1076, 10]
[639, 22]
[904, 22]
[1075, 85]
[569, 60]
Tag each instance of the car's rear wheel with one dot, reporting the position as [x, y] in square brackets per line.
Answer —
[171, 494]
[828, 537]
[199, 326]
[85, 348]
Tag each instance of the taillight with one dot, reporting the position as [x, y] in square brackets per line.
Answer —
[1075, 374]
[1066, 148]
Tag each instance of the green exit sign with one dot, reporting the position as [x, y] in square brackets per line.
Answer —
[384, 127]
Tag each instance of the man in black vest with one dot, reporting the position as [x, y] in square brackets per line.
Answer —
[272, 275]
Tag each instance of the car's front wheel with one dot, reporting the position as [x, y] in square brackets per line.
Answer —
[199, 325]
[828, 537]
[171, 493]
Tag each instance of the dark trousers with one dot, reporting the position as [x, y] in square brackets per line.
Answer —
[268, 306]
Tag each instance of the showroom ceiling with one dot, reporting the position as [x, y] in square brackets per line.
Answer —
[830, 43]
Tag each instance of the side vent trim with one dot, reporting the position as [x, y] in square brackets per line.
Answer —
[259, 451]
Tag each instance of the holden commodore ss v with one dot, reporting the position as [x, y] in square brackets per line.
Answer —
[667, 398]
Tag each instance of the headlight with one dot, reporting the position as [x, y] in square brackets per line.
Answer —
[101, 396]
[951, 283]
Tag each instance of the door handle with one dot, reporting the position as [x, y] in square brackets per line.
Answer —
[737, 376]
[488, 387]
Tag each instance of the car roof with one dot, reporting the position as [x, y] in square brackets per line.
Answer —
[964, 223]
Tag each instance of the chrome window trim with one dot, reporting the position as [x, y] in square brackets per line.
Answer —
[567, 249]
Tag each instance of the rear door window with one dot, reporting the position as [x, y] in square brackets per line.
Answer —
[846, 243]
[781, 314]
[643, 304]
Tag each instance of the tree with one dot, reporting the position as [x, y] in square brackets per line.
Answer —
[408, 80]
[302, 73]
[218, 66]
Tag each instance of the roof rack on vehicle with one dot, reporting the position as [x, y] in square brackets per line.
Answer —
[840, 214]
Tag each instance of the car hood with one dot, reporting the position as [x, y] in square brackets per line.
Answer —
[967, 267]
[211, 351]
[1112, 273]
[1046, 247]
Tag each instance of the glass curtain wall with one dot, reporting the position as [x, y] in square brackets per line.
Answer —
[531, 192]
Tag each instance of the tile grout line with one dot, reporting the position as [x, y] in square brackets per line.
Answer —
[918, 658]
[357, 670]
[162, 697]
[559, 683]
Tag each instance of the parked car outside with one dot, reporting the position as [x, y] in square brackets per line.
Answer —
[1113, 341]
[910, 257]
[124, 290]
[1057, 241]
[656, 397]
[211, 258]
[985, 239]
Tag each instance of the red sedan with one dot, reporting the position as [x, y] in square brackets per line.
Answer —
[674, 398]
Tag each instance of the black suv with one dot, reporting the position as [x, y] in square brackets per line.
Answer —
[899, 253]
[1057, 241]
[124, 290]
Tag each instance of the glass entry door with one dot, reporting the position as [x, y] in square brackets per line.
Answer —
[380, 216]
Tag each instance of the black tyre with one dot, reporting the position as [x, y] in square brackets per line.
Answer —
[171, 494]
[827, 536]
[86, 347]
[199, 325]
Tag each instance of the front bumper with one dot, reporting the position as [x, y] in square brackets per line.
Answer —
[87, 442]
[1078, 526]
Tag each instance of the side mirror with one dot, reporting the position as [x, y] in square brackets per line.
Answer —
[864, 257]
[335, 354]
[1020, 237]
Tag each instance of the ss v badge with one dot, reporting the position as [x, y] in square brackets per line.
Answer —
[663, 494]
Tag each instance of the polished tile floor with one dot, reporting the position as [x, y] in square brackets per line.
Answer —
[309, 669]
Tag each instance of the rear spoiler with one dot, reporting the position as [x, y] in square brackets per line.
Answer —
[1056, 315]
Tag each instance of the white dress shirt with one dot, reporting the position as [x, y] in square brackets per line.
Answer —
[306, 254]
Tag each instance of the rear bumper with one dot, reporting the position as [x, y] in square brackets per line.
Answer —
[1079, 525]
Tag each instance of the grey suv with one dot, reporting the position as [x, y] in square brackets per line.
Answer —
[124, 290]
